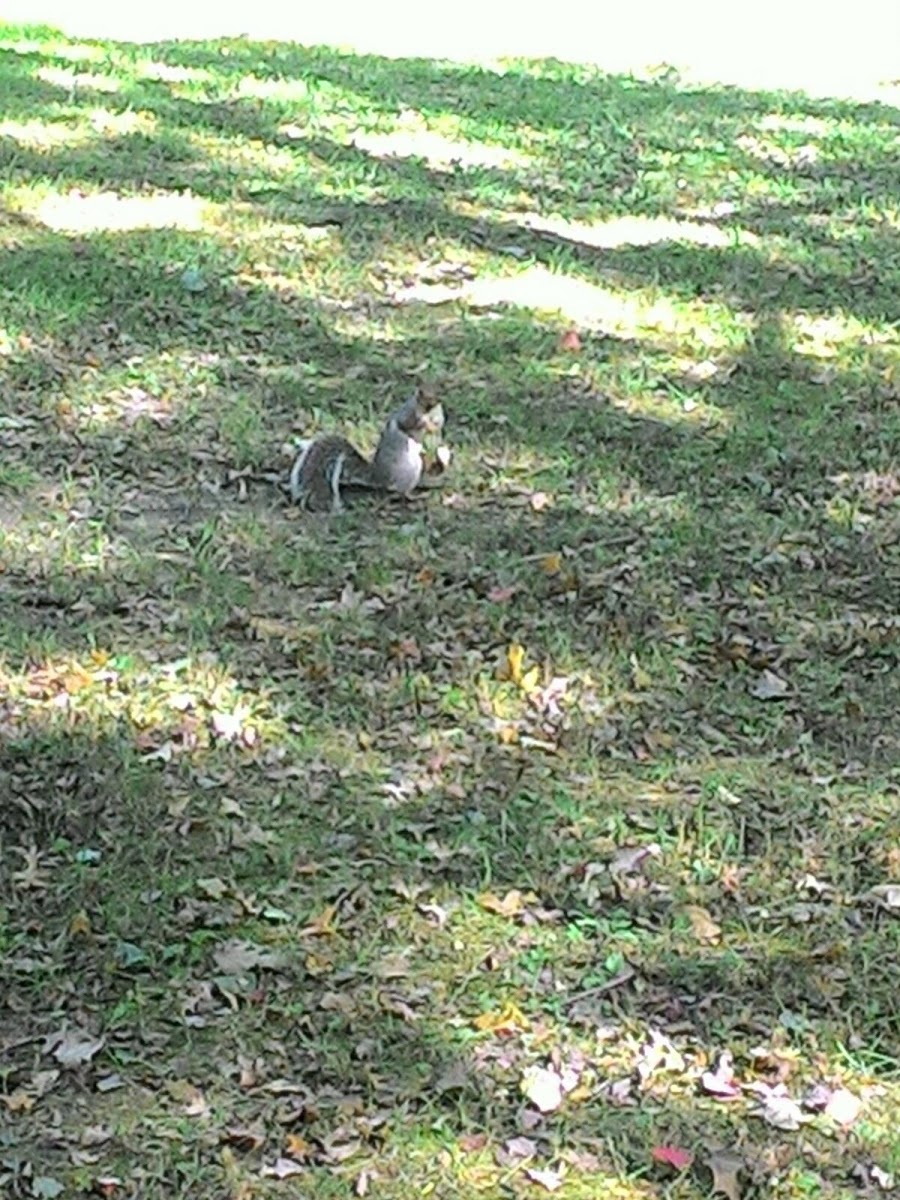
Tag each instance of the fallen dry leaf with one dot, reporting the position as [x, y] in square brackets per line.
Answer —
[509, 906]
[361, 1186]
[658, 1054]
[726, 1167]
[630, 859]
[73, 1049]
[227, 725]
[239, 958]
[80, 925]
[110, 1083]
[672, 1156]
[453, 1078]
[43, 1081]
[570, 341]
[777, 1108]
[543, 1087]
[810, 884]
[514, 669]
[769, 686]
[509, 1019]
[191, 1099]
[45, 1187]
[318, 964]
[548, 1179]
[883, 1178]
[213, 889]
[297, 1147]
[338, 1148]
[393, 966]
[887, 895]
[107, 1185]
[581, 1160]
[703, 927]
[282, 1168]
[721, 1082]
[244, 1139]
[843, 1107]
[817, 1097]
[435, 913]
[520, 1147]
[471, 1143]
[619, 1091]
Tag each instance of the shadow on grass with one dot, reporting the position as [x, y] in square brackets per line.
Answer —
[355, 988]
[739, 517]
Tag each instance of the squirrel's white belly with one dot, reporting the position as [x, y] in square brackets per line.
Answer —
[406, 470]
[403, 471]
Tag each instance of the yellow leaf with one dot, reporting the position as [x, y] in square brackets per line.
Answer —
[514, 671]
[297, 1146]
[510, 1019]
[318, 964]
[508, 735]
[76, 680]
[515, 659]
[19, 1101]
[80, 924]
[511, 904]
[552, 563]
[322, 925]
[269, 628]
[529, 681]
[703, 927]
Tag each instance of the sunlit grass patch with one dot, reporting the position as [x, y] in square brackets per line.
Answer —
[439, 152]
[69, 80]
[108, 211]
[164, 72]
[42, 135]
[639, 231]
[191, 700]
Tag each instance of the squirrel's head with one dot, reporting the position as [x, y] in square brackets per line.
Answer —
[422, 413]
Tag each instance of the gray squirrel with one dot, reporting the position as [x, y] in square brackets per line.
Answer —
[328, 464]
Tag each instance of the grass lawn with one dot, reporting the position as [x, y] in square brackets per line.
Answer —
[542, 834]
